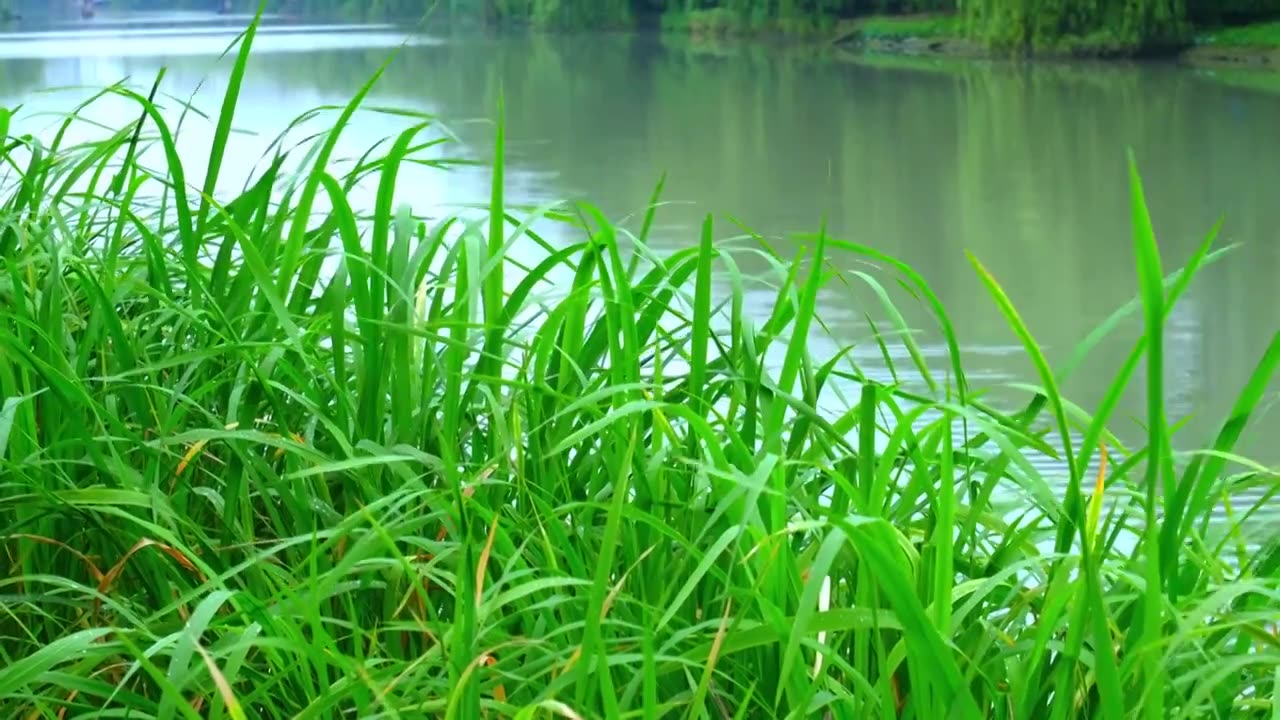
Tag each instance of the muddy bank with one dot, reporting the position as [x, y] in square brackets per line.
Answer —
[938, 46]
[1237, 57]
[854, 38]
[955, 46]
[1255, 58]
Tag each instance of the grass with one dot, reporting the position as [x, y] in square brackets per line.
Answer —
[901, 27]
[725, 22]
[1256, 35]
[269, 456]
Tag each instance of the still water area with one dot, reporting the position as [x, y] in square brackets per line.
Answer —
[1025, 167]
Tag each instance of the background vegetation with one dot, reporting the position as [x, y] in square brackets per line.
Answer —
[1096, 26]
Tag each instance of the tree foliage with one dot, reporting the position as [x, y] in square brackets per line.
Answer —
[1121, 26]
[1214, 11]
[614, 12]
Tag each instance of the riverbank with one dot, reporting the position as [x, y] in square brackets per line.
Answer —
[263, 461]
[1253, 46]
[1247, 46]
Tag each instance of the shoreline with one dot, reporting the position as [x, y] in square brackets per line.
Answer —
[1247, 47]
[1201, 56]
[1228, 56]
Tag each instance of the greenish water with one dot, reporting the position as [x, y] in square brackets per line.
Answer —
[1024, 167]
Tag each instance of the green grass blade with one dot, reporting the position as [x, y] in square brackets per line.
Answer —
[1151, 287]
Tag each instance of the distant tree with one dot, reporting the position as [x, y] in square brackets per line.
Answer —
[1016, 25]
[1127, 25]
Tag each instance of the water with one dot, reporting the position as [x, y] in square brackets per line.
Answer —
[1023, 167]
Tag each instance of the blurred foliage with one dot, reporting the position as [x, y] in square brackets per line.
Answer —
[1095, 27]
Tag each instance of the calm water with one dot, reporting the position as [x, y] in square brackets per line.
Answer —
[1024, 167]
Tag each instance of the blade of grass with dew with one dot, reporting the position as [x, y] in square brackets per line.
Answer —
[1176, 282]
[1041, 365]
[650, 212]
[493, 278]
[295, 240]
[1195, 487]
[29, 669]
[1149, 282]
[935, 304]
[226, 115]
[942, 544]
[904, 332]
[932, 668]
[775, 511]
[592, 643]
[1070, 520]
[383, 347]
[701, 328]
[1111, 400]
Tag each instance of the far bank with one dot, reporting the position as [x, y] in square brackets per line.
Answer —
[1252, 46]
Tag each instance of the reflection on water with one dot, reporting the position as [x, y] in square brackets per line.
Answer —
[1023, 167]
[177, 19]
[202, 41]
[126, 30]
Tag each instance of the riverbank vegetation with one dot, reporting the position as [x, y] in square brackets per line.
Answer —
[1260, 35]
[272, 454]
[1005, 26]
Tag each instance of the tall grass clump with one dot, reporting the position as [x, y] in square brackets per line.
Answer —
[270, 456]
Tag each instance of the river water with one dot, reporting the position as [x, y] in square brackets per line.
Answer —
[1025, 167]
